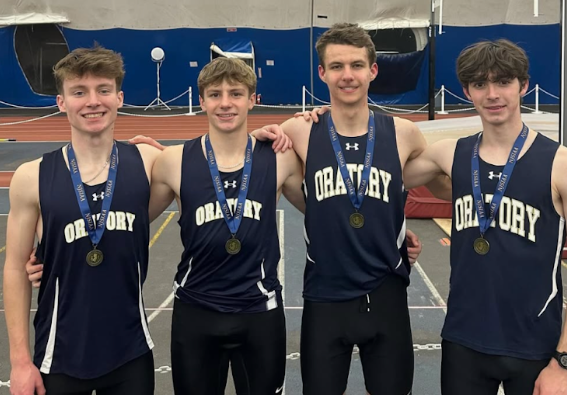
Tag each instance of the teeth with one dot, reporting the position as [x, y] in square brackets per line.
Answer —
[93, 115]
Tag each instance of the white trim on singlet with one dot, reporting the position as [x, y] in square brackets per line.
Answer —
[142, 311]
[401, 238]
[177, 286]
[558, 251]
[272, 302]
[48, 357]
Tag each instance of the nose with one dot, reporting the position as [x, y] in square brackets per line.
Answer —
[347, 73]
[225, 100]
[93, 99]
[492, 91]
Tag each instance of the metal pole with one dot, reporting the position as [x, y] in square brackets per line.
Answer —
[432, 63]
[562, 101]
[311, 43]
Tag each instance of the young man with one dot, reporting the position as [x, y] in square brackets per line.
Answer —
[228, 297]
[357, 265]
[91, 331]
[504, 310]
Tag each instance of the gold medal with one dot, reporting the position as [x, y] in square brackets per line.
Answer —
[94, 257]
[481, 246]
[356, 220]
[233, 246]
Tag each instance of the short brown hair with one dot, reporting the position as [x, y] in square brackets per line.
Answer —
[96, 61]
[232, 70]
[501, 59]
[346, 34]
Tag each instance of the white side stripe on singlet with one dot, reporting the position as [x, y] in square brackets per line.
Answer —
[272, 302]
[175, 285]
[558, 250]
[48, 357]
[401, 238]
[142, 311]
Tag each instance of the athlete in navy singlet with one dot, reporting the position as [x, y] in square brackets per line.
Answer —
[88, 205]
[503, 323]
[357, 266]
[228, 302]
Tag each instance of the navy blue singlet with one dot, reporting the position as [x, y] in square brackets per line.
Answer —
[91, 320]
[207, 275]
[343, 262]
[507, 302]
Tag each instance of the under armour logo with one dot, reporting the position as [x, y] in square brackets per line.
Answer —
[353, 146]
[96, 197]
[491, 175]
[229, 184]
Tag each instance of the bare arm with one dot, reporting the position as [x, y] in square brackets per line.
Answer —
[435, 161]
[290, 166]
[166, 169]
[22, 221]
[553, 379]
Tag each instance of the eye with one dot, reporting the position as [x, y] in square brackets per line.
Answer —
[78, 93]
[478, 85]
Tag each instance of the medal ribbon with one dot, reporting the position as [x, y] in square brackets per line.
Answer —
[483, 221]
[356, 197]
[95, 231]
[232, 220]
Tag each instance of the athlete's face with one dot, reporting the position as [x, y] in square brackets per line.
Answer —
[497, 101]
[91, 103]
[227, 105]
[347, 73]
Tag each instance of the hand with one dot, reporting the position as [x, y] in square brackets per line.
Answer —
[414, 246]
[312, 115]
[274, 132]
[140, 139]
[26, 380]
[34, 268]
[552, 380]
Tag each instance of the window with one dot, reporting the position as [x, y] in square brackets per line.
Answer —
[38, 48]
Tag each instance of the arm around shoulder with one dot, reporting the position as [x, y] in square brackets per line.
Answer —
[435, 160]
[166, 168]
[290, 166]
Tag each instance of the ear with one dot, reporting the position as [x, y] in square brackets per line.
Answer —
[373, 71]
[321, 70]
[466, 92]
[252, 101]
[61, 103]
[524, 89]
[202, 103]
[120, 99]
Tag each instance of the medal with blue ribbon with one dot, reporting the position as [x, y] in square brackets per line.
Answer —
[356, 219]
[96, 229]
[233, 221]
[481, 245]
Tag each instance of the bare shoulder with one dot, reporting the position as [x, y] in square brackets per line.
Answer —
[287, 160]
[297, 128]
[148, 152]
[171, 156]
[560, 169]
[405, 128]
[25, 182]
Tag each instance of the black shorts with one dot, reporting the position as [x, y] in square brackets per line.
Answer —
[465, 371]
[378, 323]
[202, 341]
[134, 377]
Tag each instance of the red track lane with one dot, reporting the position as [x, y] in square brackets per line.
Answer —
[161, 128]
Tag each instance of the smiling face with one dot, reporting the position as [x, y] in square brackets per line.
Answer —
[91, 103]
[497, 101]
[347, 73]
[227, 105]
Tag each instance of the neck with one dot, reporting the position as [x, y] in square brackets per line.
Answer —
[503, 135]
[350, 120]
[92, 149]
[229, 148]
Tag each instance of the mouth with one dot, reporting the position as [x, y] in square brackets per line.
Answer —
[494, 108]
[226, 117]
[93, 115]
[348, 89]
